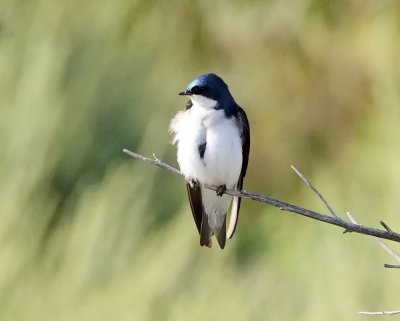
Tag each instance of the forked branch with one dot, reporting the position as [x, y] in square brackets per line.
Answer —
[387, 233]
[349, 226]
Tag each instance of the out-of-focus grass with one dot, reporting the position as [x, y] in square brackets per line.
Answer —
[88, 234]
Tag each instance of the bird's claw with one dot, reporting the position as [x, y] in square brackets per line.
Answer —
[221, 190]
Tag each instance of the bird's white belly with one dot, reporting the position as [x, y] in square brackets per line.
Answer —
[222, 159]
[223, 155]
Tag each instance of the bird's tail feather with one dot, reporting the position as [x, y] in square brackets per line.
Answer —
[220, 234]
[205, 232]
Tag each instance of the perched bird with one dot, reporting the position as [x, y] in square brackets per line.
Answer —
[213, 140]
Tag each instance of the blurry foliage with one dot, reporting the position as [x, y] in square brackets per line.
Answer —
[88, 234]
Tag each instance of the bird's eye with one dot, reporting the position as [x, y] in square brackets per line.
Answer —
[197, 90]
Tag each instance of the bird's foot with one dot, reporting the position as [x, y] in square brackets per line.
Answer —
[221, 190]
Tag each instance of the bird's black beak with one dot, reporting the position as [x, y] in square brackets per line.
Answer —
[185, 93]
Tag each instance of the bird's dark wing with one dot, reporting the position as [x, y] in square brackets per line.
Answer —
[244, 126]
[196, 204]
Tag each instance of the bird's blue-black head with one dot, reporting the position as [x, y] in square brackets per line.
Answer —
[213, 87]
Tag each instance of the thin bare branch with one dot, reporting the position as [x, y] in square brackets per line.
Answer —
[393, 236]
[154, 161]
[392, 266]
[351, 218]
[386, 227]
[308, 183]
[382, 244]
[380, 312]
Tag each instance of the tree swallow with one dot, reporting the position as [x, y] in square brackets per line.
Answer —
[213, 139]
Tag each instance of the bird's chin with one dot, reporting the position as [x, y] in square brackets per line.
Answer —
[202, 101]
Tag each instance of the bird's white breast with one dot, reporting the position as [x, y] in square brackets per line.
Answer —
[222, 159]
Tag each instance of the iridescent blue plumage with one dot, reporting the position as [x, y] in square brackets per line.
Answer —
[212, 86]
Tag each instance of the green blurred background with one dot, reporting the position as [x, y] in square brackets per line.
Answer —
[87, 233]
